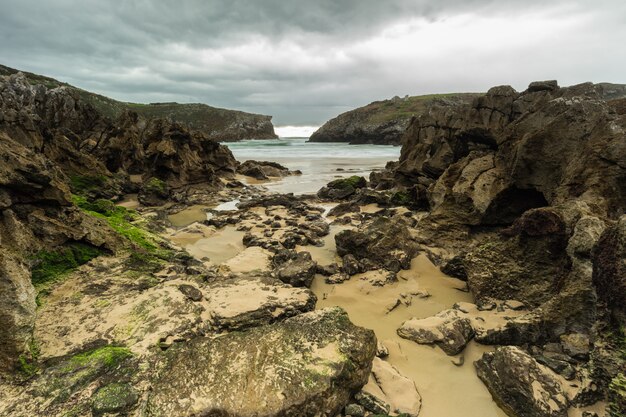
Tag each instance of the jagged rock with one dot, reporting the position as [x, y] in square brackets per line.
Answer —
[387, 386]
[386, 242]
[507, 152]
[262, 170]
[316, 361]
[190, 292]
[298, 271]
[17, 310]
[576, 345]
[342, 188]
[520, 385]
[609, 267]
[344, 208]
[253, 300]
[350, 265]
[448, 329]
[532, 252]
[354, 410]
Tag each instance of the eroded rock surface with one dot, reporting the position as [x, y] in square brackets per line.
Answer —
[448, 329]
[520, 385]
[303, 366]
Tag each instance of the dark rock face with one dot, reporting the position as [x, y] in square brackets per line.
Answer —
[609, 268]
[383, 243]
[520, 385]
[381, 122]
[295, 268]
[263, 170]
[342, 188]
[36, 213]
[514, 150]
[85, 143]
[316, 361]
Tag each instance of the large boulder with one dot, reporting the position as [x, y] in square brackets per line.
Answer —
[342, 188]
[520, 385]
[307, 365]
[449, 330]
[249, 301]
[295, 268]
[385, 243]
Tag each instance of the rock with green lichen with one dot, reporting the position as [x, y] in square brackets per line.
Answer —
[113, 398]
[154, 192]
[617, 396]
[342, 188]
[303, 366]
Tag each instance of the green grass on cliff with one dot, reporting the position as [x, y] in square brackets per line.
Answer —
[195, 115]
[404, 108]
[50, 265]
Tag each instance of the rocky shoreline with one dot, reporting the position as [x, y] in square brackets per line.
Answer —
[183, 306]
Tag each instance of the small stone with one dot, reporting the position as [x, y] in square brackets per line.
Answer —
[190, 292]
[392, 306]
[514, 305]
[576, 345]
[458, 361]
[381, 350]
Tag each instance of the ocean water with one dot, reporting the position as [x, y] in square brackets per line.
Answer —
[319, 162]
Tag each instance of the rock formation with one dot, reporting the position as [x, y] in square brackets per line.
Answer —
[214, 123]
[381, 122]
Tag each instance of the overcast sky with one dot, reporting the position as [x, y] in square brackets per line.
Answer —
[305, 61]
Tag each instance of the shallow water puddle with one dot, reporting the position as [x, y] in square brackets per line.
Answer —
[192, 214]
[222, 245]
[447, 390]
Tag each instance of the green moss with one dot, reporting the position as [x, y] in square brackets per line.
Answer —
[86, 184]
[49, 266]
[61, 381]
[617, 396]
[107, 357]
[124, 222]
[401, 198]
[26, 367]
[113, 398]
[354, 181]
[155, 185]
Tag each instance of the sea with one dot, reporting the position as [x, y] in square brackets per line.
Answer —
[320, 163]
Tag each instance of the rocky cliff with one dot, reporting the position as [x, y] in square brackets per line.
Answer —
[53, 143]
[381, 122]
[522, 195]
[215, 123]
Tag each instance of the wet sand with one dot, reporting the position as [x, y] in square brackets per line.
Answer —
[447, 390]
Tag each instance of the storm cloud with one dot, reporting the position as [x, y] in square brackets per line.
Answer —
[306, 61]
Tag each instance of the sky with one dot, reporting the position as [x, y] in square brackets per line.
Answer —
[306, 61]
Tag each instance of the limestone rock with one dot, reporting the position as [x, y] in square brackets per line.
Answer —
[386, 242]
[387, 386]
[448, 329]
[249, 301]
[520, 385]
[298, 271]
[303, 366]
[17, 310]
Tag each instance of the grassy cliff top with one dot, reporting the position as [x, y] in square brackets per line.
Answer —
[194, 115]
[400, 108]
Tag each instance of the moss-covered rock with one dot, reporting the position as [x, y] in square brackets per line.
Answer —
[617, 396]
[342, 188]
[113, 398]
[154, 192]
[303, 366]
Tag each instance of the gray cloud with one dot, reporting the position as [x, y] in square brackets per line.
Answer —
[306, 61]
